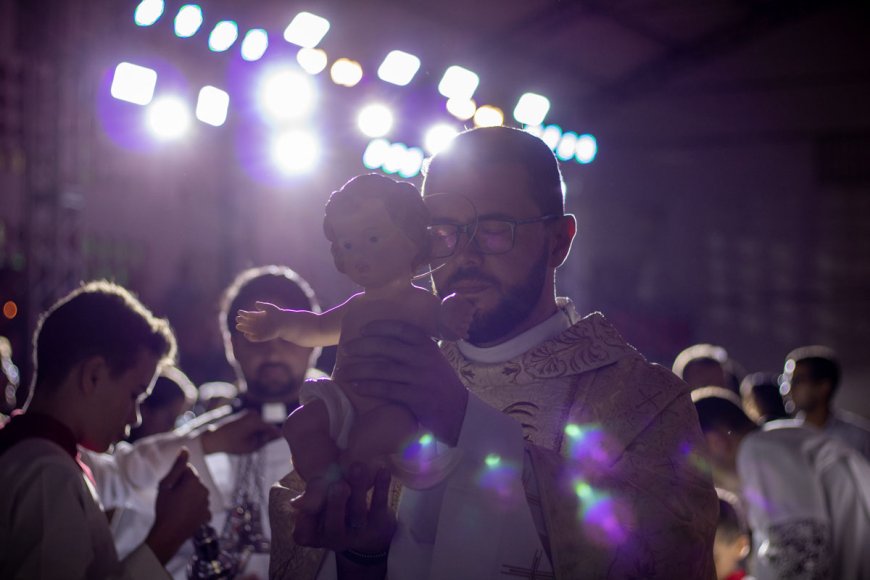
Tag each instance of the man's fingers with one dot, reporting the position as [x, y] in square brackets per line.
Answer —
[334, 520]
[177, 470]
[381, 491]
[356, 505]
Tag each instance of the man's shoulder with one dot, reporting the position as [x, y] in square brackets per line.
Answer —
[852, 422]
[36, 459]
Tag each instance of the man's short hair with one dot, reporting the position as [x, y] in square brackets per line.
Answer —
[171, 384]
[719, 409]
[762, 399]
[699, 353]
[505, 145]
[821, 361]
[97, 319]
[266, 283]
[732, 522]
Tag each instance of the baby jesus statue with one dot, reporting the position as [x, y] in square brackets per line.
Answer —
[378, 228]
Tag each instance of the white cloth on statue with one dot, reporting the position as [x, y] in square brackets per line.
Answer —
[52, 520]
[124, 475]
[460, 528]
[797, 479]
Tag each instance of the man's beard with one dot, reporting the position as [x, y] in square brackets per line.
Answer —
[514, 306]
[274, 381]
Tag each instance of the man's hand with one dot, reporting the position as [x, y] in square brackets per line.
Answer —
[398, 362]
[237, 434]
[181, 508]
[261, 324]
[347, 523]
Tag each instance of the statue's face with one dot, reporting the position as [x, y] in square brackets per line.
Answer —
[370, 249]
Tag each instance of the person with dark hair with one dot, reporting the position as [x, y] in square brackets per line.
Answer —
[811, 378]
[575, 451]
[172, 396]
[96, 355]
[707, 365]
[378, 229]
[807, 495]
[236, 448]
[761, 398]
[733, 541]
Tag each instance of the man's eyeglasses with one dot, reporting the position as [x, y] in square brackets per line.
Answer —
[489, 236]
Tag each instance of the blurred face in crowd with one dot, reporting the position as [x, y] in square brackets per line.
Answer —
[113, 399]
[704, 373]
[272, 370]
[806, 392]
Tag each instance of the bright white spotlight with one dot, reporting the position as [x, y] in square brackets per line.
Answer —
[312, 60]
[295, 151]
[254, 44]
[168, 117]
[586, 148]
[458, 83]
[395, 158]
[223, 35]
[212, 105]
[488, 116]
[306, 30]
[412, 162]
[399, 68]
[438, 138]
[148, 12]
[462, 109]
[531, 109]
[567, 146]
[134, 83]
[551, 136]
[287, 95]
[346, 72]
[376, 153]
[536, 130]
[188, 20]
[375, 120]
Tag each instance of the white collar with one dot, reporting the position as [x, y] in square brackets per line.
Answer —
[557, 323]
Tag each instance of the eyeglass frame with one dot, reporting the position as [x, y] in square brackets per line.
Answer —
[465, 228]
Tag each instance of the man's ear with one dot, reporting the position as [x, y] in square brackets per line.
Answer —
[92, 371]
[563, 234]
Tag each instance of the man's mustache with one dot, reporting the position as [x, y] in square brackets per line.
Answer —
[472, 275]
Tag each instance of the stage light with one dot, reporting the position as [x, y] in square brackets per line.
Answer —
[312, 60]
[254, 44]
[458, 83]
[168, 117]
[438, 138]
[551, 136]
[133, 83]
[188, 20]
[536, 130]
[306, 30]
[346, 72]
[148, 12]
[462, 109]
[375, 120]
[586, 149]
[287, 95]
[395, 158]
[567, 146]
[412, 162]
[223, 35]
[399, 68]
[212, 105]
[295, 151]
[488, 116]
[531, 109]
[376, 153]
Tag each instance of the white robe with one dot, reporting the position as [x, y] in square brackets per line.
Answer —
[52, 524]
